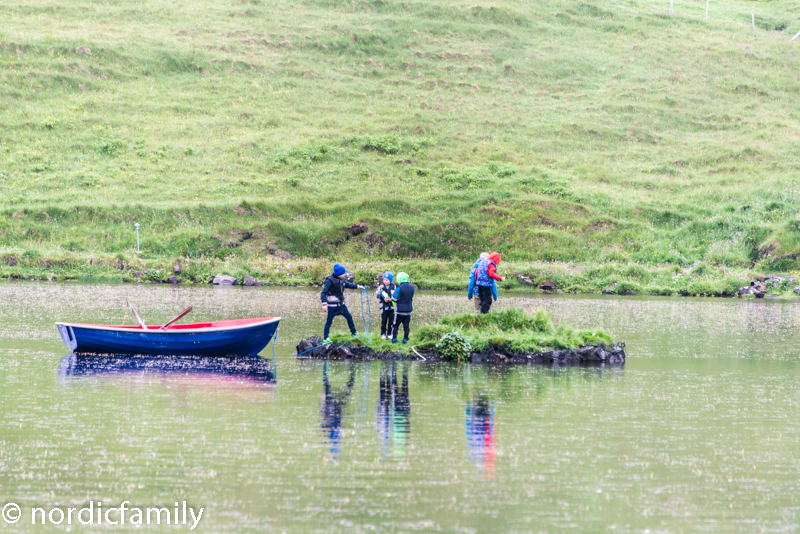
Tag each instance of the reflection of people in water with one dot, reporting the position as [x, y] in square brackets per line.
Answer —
[331, 409]
[394, 409]
[480, 433]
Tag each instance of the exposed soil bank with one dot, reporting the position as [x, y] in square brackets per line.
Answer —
[312, 348]
[615, 278]
[608, 278]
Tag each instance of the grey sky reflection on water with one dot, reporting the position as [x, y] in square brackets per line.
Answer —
[651, 327]
[700, 429]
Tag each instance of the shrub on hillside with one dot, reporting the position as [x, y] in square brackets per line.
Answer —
[452, 347]
[625, 286]
[662, 291]
[703, 287]
[111, 147]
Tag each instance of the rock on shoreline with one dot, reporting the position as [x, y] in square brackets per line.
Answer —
[599, 354]
[587, 355]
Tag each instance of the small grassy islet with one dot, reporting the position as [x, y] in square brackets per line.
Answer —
[512, 329]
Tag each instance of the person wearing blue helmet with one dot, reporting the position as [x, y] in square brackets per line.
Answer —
[332, 297]
[384, 296]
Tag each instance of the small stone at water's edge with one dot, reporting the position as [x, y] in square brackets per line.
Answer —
[225, 280]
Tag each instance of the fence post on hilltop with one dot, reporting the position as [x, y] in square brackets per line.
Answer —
[706, 9]
[670, 7]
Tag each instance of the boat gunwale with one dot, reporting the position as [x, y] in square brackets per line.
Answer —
[136, 329]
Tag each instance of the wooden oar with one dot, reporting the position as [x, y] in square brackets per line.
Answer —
[184, 312]
[133, 311]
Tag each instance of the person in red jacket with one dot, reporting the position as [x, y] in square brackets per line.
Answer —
[485, 272]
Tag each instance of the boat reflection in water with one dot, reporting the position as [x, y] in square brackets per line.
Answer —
[394, 410]
[232, 371]
[480, 433]
[332, 407]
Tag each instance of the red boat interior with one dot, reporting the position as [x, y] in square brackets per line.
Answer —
[212, 324]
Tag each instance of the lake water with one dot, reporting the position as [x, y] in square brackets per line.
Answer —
[698, 432]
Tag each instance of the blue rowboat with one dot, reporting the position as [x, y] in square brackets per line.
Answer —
[240, 337]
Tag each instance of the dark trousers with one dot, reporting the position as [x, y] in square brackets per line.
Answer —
[387, 320]
[485, 293]
[404, 320]
[344, 312]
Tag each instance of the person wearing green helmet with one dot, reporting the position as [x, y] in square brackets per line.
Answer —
[403, 297]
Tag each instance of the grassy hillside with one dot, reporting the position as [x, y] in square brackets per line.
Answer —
[593, 142]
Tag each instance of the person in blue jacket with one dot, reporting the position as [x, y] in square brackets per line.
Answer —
[472, 290]
[485, 274]
[332, 297]
[403, 297]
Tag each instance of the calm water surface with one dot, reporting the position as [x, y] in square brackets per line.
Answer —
[699, 432]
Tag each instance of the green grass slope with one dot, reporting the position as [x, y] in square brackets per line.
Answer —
[591, 142]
